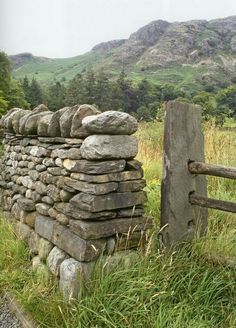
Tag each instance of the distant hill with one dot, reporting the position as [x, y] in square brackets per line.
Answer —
[185, 53]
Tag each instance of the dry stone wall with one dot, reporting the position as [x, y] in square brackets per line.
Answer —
[70, 180]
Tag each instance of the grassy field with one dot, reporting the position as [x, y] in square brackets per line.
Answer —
[193, 287]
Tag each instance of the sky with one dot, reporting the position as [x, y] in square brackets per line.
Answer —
[66, 28]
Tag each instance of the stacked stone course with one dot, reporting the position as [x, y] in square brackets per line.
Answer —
[70, 180]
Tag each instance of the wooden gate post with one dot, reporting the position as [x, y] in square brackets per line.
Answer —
[183, 143]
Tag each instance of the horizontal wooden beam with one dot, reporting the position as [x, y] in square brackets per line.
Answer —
[212, 203]
[210, 169]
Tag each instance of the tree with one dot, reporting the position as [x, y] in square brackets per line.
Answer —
[103, 91]
[11, 92]
[75, 92]
[56, 96]
[35, 94]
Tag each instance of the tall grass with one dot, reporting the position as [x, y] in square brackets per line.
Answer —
[191, 287]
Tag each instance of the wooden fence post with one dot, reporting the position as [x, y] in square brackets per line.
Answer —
[183, 143]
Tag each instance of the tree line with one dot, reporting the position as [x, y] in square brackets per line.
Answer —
[143, 99]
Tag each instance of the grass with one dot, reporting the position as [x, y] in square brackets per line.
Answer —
[191, 287]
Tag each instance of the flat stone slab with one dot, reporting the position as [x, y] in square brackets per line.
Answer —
[92, 188]
[90, 167]
[135, 185]
[102, 229]
[111, 122]
[109, 147]
[94, 203]
[102, 178]
[77, 213]
[80, 249]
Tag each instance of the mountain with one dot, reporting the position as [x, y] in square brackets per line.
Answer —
[192, 52]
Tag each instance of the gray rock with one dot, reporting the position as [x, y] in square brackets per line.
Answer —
[94, 203]
[44, 248]
[39, 151]
[131, 212]
[111, 122]
[118, 176]
[54, 260]
[135, 185]
[73, 277]
[63, 219]
[54, 125]
[57, 171]
[47, 178]
[76, 213]
[40, 167]
[23, 231]
[47, 200]
[120, 259]
[102, 229]
[54, 193]
[92, 188]
[33, 242]
[59, 162]
[16, 119]
[82, 112]
[109, 147]
[90, 167]
[33, 195]
[72, 244]
[34, 175]
[40, 188]
[32, 122]
[26, 204]
[65, 195]
[43, 124]
[53, 213]
[29, 219]
[42, 208]
[66, 120]
[48, 162]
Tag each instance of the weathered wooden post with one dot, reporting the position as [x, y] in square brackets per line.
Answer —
[183, 144]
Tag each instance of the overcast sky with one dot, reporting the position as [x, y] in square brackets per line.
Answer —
[64, 28]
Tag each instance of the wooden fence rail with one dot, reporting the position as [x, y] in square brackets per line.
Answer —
[184, 200]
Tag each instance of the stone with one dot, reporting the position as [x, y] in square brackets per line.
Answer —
[23, 231]
[131, 240]
[34, 175]
[53, 213]
[102, 229]
[60, 153]
[36, 263]
[44, 248]
[111, 122]
[133, 164]
[54, 193]
[42, 208]
[92, 188]
[116, 177]
[33, 242]
[29, 219]
[80, 249]
[109, 147]
[57, 171]
[44, 226]
[16, 119]
[73, 277]
[48, 162]
[63, 219]
[90, 167]
[26, 204]
[15, 211]
[95, 203]
[40, 188]
[135, 185]
[40, 167]
[7, 120]
[77, 213]
[39, 151]
[43, 124]
[130, 212]
[61, 183]
[54, 124]
[65, 195]
[54, 260]
[81, 113]
[47, 178]
[47, 200]
[66, 120]
[59, 162]
[26, 181]
[32, 122]
[33, 195]
[74, 153]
